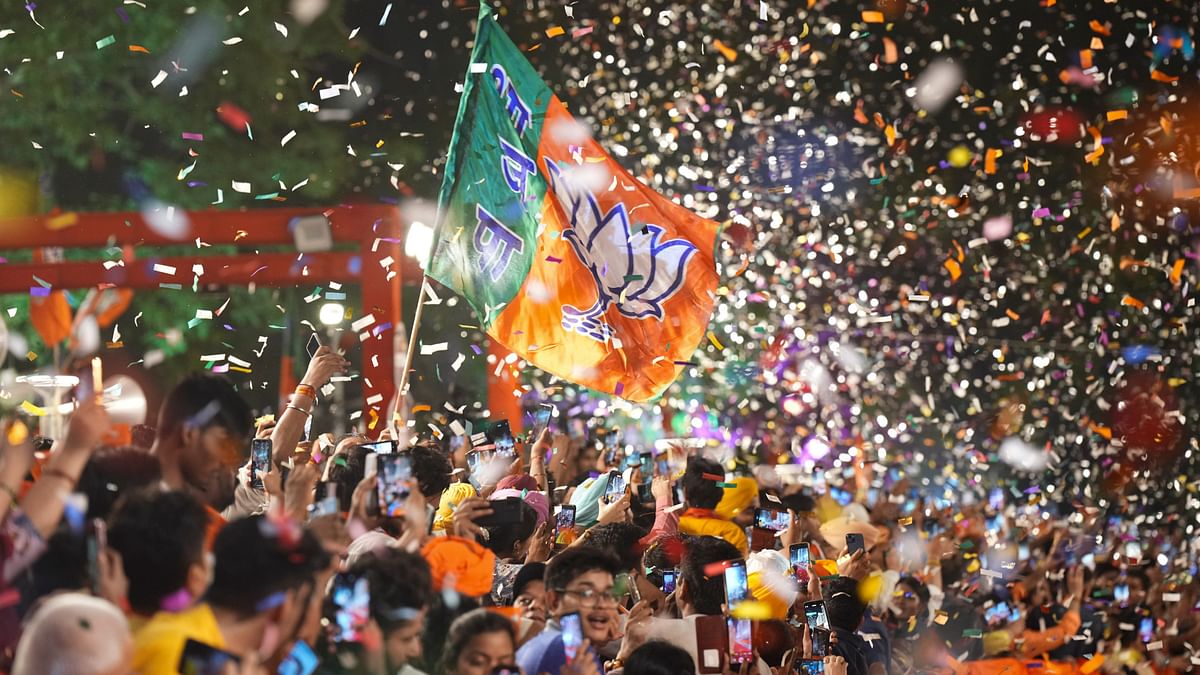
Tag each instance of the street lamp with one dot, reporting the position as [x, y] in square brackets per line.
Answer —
[331, 315]
[418, 242]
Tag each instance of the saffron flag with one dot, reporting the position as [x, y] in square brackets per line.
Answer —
[568, 260]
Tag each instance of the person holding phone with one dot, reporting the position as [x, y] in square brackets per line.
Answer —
[579, 581]
[702, 493]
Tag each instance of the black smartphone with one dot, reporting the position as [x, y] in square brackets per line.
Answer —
[260, 461]
[812, 667]
[500, 435]
[800, 556]
[201, 659]
[818, 625]
[772, 519]
[312, 345]
[504, 512]
[541, 420]
[615, 488]
[301, 660]
[350, 605]
[97, 541]
[572, 635]
[855, 542]
[670, 578]
[564, 525]
[380, 447]
[741, 641]
[737, 583]
[394, 482]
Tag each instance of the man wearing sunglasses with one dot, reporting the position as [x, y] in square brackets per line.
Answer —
[580, 579]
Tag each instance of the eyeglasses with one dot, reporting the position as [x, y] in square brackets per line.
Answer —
[907, 595]
[590, 597]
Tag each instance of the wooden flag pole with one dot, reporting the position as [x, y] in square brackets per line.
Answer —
[402, 389]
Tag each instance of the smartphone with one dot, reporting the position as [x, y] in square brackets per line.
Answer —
[741, 641]
[772, 519]
[572, 635]
[1022, 552]
[855, 542]
[260, 461]
[737, 584]
[818, 625]
[327, 505]
[1121, 593]
[350, 601]
[394, 484]
[301, 660]
[812, 667]
[670, 578]
[500, 435]
[201, 659]
[541, 420]
[312, 345]
[799, 555]
[504, 512]
[841, 496]
[97, 541]
[645, 494]
[564, 525]
[712, 643]
[380, 447]
[615, 488]
[997, 614]
[1146, 629]
[1133, 551]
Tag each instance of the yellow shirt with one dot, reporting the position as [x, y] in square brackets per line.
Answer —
[703, 522]
[158, 646]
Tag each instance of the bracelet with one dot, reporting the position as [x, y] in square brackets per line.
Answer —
[299, 410]
[306, 390]
[59, 473]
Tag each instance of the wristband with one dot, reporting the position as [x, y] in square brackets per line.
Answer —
[306, 390]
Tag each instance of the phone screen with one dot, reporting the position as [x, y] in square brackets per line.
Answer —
[351, 600]
[1121, 593]
[615, 488]
[842, 497]
[772, 519]
[564, 525]
[380, 447]
[201, 659]
[854, 542]
[501, 436]
[814, 614]
[812, 667]
[799, 556]
[1146, 629]
[541, 420]
[997, 614]
[301, 660]
[737, 585]
[572, 635]
[394, 484]
[260, 460]
[669, 580]
[1133, 550]
[741, 641]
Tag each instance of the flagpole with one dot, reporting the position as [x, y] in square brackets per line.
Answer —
[402, 389]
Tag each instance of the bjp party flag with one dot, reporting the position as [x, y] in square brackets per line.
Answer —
[567, 259]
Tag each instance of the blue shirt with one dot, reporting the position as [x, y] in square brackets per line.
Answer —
[546, 654]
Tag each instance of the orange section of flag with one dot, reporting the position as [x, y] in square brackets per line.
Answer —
[642, 355]
[51, 317]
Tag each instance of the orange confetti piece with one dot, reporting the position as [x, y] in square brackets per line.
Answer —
[890, 132]
[555, 31]
[859, 115]
[890, 53]
[1176, 272]
[421, 408]
[1045, 317]
[1114, 115]
[1159, 76]
[1131, 301]
[1096, 43]
[989, 159]
[1085, 58]
[1102, 430]
[1099, 28]
[1165, 123]
[138, 48]
[954, 268]
[1012, 315]
[729, 53]
[1115, 222]
[872, 17]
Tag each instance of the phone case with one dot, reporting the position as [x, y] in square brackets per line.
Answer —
[712, 644]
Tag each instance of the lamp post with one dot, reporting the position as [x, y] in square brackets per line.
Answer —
[331, 315]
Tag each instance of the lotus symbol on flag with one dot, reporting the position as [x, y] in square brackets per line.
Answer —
[635, 272]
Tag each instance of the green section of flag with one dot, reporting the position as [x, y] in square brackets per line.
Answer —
[492, 191]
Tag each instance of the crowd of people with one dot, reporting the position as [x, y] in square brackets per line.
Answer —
[230, 544]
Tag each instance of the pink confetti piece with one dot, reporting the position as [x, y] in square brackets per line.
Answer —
[580, 32]
[190, 136]
[552, 259]
[1042, 212]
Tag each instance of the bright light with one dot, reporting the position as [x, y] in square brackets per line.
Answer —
[332, 313]
[418, 242]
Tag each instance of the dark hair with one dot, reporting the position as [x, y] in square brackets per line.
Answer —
[502, 538]
[441, 615]
[577, 561]
[529, 572]
[205, 400]
[431, 467]
[258, 558]
[400, 583]
[159, 536]
[706, 593]
[466, 627]
[843, 605]
[142, 436]
[347, 472]
[657, 657]
[917, 587]
[112, 471]
[666, 553]
[621, 539]
[700, 492]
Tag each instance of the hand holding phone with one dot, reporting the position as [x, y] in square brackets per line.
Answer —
[394, 484]
[737, 584]
[572, 635]
[350, 601]
[855, 542]
[260, 461]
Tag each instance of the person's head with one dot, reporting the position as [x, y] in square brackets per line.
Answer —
[510, 541]
[204, 430]
[1139, 586]
[699, 593]
[701, 483]
[111, 472]
[843, 604]
[265, 578]
[580, 579]
[661, 556]
[478, 642]
[911, 598]
[529, 591]
[621, 539]
[75, 633]
[659, 658]
[401, 588]
[160, 536]
[431, 468]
